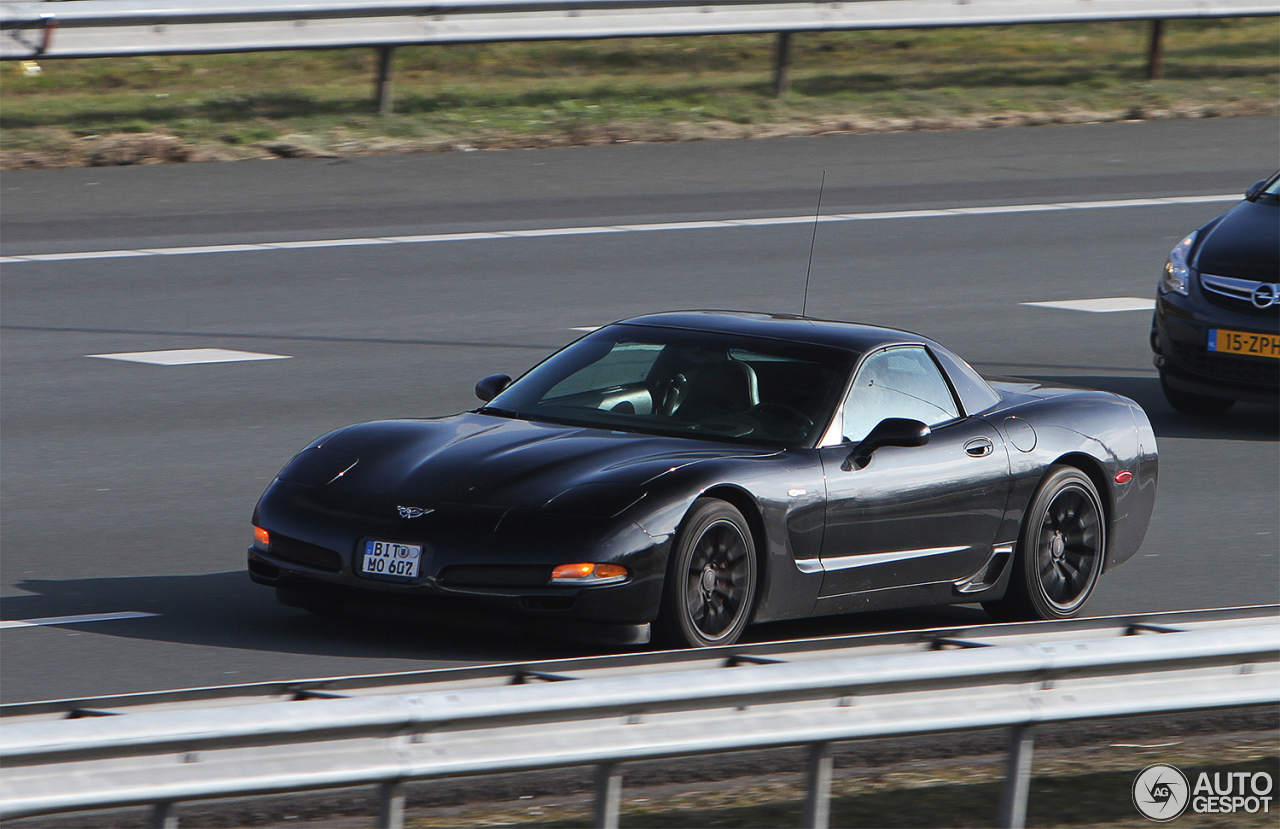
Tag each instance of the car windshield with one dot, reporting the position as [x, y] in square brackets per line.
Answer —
[685, 383]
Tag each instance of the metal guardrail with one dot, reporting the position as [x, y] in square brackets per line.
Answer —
[916, 640]
[107, 28]
[165, 757]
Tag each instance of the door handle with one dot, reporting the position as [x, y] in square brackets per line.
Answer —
[978, 448]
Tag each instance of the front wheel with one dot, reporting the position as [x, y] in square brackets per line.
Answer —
[711, 579]
[1060, 550]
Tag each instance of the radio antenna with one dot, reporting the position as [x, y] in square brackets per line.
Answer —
[821, 186]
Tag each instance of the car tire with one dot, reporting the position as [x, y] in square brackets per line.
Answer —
[1060, 553]
[1194, 404]
[711, 579]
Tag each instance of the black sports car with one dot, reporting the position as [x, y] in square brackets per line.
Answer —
[700, 471]
[1216, 329]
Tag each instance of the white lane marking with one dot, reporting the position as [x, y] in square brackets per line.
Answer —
[943, 212]
[188, 356]
[1104, 305]
[74, 620]
[588, 328]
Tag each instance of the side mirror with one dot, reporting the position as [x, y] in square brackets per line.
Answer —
[491, 386]
[892, 431]
[1256, 190]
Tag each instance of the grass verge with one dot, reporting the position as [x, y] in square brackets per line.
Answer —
[138, 110]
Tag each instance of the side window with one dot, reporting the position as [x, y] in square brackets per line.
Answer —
[897, 382]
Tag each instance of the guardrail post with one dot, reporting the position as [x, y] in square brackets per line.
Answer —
[608, 795]
[163, 816]
[782, 65]
[1017, 778]
[1155, 51]
[390, 806]
[382, 88]
[817, 801]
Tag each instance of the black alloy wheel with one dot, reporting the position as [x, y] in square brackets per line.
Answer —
[711, 579]
[1060, 550]
[1194, 404]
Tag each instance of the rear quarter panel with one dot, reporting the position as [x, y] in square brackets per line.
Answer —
[1101, 433]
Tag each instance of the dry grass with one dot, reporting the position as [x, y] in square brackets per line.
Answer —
[301, 103]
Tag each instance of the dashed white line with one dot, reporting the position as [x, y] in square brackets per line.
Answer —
[74, 620]
[890, 215]
[188, 356]
[1102, 305]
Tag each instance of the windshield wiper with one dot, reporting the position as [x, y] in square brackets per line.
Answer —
[498, 411]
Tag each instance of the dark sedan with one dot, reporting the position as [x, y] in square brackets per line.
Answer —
[689, 473]
[1216, 329]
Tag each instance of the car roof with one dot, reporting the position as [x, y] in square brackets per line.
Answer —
[847, 335]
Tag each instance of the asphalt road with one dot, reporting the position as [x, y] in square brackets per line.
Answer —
[128, 486]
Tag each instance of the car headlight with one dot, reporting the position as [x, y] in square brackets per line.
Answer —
[1177, 273]
[589, 573]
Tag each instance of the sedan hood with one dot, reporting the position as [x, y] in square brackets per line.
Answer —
[1243, 243]
[494, 461]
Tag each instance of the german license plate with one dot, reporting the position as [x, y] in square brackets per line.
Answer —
[1225, 341]
[387, 559]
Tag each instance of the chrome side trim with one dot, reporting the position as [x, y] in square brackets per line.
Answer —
[870, 559]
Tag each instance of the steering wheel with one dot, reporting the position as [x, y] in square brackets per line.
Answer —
[671, 394]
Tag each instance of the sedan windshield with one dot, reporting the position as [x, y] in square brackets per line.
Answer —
[686, 383]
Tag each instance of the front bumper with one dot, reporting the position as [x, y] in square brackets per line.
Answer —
[633, 602]
[1179, 338]
[496, 559]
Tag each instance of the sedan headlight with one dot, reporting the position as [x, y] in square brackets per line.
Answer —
[1177, 272]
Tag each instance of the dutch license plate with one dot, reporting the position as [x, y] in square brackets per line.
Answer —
[391, 560]
[1225, 341]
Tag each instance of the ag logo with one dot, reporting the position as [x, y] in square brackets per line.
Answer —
[1161, 792]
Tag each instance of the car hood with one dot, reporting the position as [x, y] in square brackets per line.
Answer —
[487, 460]
[1244, 242]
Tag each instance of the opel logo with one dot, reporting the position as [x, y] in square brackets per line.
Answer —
[1266, 295]
[413, 512]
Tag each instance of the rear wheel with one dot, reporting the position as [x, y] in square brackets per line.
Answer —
[1060, 550]
[1194, 404]
[711, 579]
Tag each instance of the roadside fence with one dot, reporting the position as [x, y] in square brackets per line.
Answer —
[115, 28]
[165, 757]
